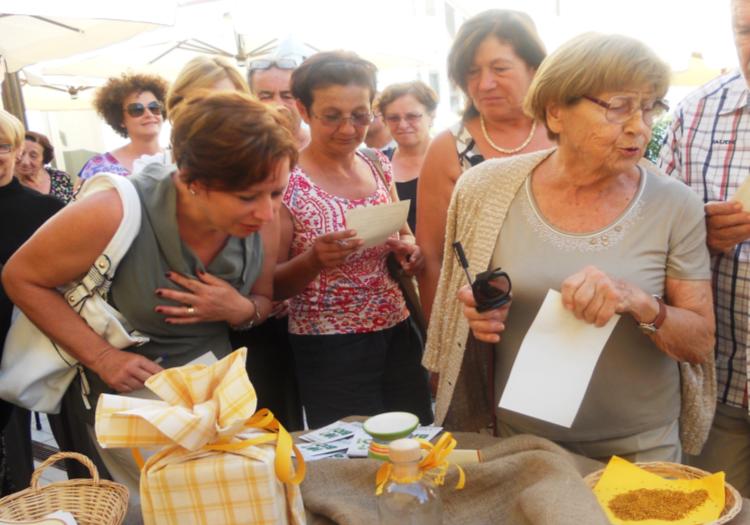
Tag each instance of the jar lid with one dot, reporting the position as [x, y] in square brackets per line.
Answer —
[404, 450]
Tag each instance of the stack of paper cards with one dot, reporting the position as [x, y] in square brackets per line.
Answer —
[342, 440]
[329, 441]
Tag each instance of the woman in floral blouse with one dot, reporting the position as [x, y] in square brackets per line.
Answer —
[354, 349]
[33, 170]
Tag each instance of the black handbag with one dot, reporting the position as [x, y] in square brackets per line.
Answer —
[406, 283]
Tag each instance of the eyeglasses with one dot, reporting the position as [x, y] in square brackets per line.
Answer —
[621, 108]
[410, 118]
[136, 109]
[359, 120]
[280, 63]
[6, 148]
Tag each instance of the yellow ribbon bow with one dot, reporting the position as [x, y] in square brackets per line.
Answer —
[201, 408]
[434, 464]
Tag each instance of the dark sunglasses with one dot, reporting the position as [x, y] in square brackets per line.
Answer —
[491, 289]
[280, 63]
[136, 109]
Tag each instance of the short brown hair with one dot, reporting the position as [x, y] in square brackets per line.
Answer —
[330, 68]
[47, 148]
[203, 72]
[515, 28]
[228, 141]
[424, 94]
[590, 64]
[110, 97]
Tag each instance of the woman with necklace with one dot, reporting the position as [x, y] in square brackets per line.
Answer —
[493, 61]
[408, 110]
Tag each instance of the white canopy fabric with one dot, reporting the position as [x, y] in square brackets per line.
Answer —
[35, 31]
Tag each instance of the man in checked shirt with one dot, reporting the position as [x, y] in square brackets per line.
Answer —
[708, 147]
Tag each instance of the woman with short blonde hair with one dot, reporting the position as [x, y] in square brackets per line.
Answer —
[591, 220]
[204, 72]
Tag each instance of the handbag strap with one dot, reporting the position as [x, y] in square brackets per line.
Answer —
[99, 277]
[372, 156]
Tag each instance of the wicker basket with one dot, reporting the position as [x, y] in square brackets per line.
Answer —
[91, 501]
[732, 498]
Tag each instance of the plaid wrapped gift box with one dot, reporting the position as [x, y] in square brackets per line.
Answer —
[221, 462]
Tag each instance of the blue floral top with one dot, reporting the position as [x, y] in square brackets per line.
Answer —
[104, 163]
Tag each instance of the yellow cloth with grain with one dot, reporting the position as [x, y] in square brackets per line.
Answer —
[221, 462]
[621, 476]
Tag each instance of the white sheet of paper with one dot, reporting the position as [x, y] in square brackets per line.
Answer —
[742, 195]
[554, 364]
[204, 359]
[374, 224]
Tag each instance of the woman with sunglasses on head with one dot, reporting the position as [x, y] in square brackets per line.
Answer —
[33, 168]
[591, 219]
[493, 60]
[408, 110]
[355, 351]
[133, 106]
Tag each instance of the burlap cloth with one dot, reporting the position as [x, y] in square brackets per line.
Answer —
[522, 480]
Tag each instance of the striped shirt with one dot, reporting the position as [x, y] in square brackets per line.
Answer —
[708, 148]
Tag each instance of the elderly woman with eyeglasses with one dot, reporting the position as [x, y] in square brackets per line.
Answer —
[590, 219]
[33, 169]
[408, 110]
[355, 351]
[133, 106]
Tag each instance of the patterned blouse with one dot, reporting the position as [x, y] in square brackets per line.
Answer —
[358, 296]
[61, 185]
[466, 146]
[104, 163]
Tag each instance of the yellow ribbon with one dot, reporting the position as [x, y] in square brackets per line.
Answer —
[265, 420]
[434, 464]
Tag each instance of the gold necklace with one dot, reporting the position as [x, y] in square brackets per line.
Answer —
[507, 151]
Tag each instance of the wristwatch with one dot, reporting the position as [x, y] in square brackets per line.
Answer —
[653, 326]
[247, 325]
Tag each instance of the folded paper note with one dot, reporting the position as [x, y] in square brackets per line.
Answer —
[374, 224]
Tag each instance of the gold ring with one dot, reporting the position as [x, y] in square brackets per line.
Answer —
[190, 310]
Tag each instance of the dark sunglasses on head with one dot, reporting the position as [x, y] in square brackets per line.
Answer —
[136, 109]
[280, 63]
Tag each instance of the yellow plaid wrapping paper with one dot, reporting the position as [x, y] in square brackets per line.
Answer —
[218, 464]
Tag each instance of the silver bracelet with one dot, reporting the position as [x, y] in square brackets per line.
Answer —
[255, 319]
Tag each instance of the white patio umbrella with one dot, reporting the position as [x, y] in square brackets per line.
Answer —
[240, 31]
[33, 31]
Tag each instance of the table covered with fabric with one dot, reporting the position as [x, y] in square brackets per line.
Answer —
[524, 480]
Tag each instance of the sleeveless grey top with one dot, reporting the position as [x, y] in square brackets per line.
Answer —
[158, 249]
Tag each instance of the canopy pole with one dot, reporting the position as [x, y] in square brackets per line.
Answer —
[13, 97]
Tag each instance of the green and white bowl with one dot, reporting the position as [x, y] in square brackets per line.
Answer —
[388, 427]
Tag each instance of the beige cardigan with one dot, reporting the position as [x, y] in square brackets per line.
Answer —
[476, 214]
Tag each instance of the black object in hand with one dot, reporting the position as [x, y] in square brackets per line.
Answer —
[491, 289]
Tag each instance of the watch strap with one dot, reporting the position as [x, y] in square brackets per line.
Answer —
[658, 321]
